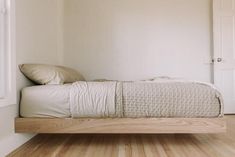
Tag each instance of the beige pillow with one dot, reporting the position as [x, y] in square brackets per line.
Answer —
[50, 74]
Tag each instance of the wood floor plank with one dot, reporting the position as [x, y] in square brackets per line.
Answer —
[159, 145]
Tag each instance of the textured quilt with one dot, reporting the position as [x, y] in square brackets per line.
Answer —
[149, 98]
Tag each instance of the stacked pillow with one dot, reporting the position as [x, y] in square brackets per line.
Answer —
[50, 74]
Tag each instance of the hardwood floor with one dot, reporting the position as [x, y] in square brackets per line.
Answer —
[160, 145]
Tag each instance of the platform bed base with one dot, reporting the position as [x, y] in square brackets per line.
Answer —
[120, 125]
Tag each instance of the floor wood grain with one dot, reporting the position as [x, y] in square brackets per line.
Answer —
[161, 145]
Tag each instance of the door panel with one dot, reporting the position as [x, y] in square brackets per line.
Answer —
[224, 51]
[227, 4]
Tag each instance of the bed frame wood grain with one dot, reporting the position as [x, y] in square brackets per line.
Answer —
[120, 125]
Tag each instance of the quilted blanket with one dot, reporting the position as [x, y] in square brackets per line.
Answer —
[149, 98]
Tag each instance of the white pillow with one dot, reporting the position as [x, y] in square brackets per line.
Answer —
[50, 74]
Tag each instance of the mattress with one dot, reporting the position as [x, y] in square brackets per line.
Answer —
[45, 101]
[153, 98]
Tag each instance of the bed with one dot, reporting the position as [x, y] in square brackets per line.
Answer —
[150, 106]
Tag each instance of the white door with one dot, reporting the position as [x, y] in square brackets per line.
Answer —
[224, 51]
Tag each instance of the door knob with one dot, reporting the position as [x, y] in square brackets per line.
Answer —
[219, 59]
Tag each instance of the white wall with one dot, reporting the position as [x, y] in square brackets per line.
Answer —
[136, 39]
[36, 41]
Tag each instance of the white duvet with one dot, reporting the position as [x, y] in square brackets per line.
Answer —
[92, 99]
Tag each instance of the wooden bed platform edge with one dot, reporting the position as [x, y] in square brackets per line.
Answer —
[120, 125]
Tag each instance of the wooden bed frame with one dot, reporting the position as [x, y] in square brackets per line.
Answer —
[120, 125]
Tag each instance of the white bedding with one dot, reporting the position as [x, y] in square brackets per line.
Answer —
[93, 99]
[45, 101]
[154, 98]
